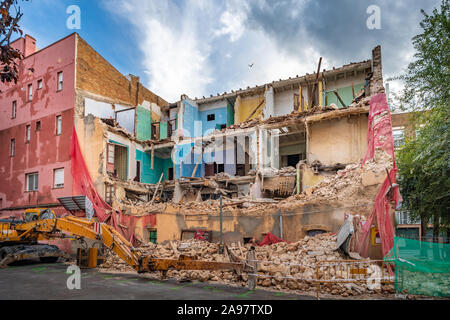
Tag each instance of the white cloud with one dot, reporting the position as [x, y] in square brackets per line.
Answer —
[233, 20]
[174, 55]
[200, 47]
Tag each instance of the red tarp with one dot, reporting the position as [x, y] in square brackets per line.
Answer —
[270, 239]
[380, 137]
[82, 184]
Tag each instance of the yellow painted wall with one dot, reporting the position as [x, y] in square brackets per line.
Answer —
[309, 179]
[245, 106]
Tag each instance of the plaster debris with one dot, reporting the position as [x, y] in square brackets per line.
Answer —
[282, 266]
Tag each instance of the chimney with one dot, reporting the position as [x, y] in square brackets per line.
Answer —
[30, 45]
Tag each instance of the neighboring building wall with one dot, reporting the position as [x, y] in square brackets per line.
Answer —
[342, 140]
[46, 150]
[96, 75]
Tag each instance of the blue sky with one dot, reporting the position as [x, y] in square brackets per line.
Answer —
[203, 47]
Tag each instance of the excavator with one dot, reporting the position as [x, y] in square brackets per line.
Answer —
[19, 240]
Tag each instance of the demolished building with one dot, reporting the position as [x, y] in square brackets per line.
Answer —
[286, 157]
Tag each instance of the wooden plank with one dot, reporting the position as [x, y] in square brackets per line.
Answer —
[256, 109]
[339, 98]
[153, 156]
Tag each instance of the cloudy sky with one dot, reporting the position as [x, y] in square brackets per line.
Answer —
[203, 47]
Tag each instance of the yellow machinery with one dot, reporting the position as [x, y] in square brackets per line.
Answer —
[19, 241]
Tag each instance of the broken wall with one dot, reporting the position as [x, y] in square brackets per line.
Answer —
[295, 223]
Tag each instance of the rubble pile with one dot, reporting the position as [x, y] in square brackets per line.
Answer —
[356, 184]
[277, 264]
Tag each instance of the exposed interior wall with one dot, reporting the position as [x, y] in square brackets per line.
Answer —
[295, 224]
[190, 119]
[93, 147]
[246, 106]
[340, 140]
[346, 94]
[269, 108]
[284, 102]
[217, 109]
[143, 123]
[160, 165]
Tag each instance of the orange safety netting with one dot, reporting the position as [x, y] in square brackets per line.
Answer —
[380, 137]
[82, 184]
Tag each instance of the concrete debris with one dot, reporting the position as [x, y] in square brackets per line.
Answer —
[278, 264]
[356, 184]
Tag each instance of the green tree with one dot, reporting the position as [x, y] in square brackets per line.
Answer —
[424, 160]
[10, 16]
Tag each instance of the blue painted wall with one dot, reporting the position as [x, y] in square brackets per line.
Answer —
[220, 118]
[184, 153]
[195, 122]
[190, 118]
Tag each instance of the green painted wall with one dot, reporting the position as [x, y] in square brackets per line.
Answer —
[144, 124]
[163, 130]
[159, 166]
[230, 113]
[345, 93]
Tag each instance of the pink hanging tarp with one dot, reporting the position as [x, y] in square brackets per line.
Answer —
[380, 137]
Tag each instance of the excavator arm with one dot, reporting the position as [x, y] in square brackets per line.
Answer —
[56, 228]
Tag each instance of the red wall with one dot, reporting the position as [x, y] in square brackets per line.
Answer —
[46, 151]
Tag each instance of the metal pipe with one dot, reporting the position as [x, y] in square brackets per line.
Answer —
[281, 226]
[221, 226]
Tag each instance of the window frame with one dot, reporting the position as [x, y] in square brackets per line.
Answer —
[12, 147]
[14, 109]
[398, 129]
[110, 151]
[58, 121]
[39, 84]
[38, 125]
[27, 133]
[59, 83]
[59, 186]
[30, 92]
[154, 232]
[35, 181]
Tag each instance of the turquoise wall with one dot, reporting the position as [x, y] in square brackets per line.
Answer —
[144, 124]
[159, 166]
[163, 130]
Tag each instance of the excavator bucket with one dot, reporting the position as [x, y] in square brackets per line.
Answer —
[43, 252]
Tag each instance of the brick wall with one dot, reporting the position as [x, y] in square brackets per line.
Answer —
[98, 76]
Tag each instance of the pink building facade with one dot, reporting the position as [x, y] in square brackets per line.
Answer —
[36, 126]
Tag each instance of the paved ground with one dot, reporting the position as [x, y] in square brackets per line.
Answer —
[48, 281]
